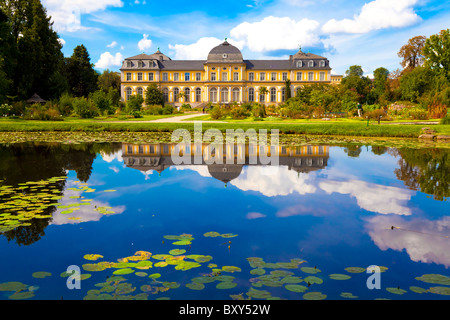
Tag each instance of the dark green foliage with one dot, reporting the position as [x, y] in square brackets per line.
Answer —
[84, 108]
[81, 76]
[134, 103]
[153, 95]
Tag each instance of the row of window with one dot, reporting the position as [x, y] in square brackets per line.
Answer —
[310, 63]
[213, 94]
[224, 76]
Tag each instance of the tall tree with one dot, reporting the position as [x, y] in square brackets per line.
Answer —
[380, 82]
[6, 56]
[81, 76]
[437, 53]
[153, 95]
[412, 52]
[109, 79]
[37, 51]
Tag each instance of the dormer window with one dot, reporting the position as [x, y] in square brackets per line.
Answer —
[224, 56]
[322, 63]
[299, 64]
[140, 64]
[311, 63]
[129, 64]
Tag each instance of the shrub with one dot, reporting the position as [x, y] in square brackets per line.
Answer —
[218, 112]
[43, 112]
[445, 120]
[65, 106]
[84, 108]
[5, 110]
[101, 101]
[376, 114]
[239, 112]
[134, 103]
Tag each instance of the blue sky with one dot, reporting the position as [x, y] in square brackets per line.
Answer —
[347, 32]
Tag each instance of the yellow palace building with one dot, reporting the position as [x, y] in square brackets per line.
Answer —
[225, 77]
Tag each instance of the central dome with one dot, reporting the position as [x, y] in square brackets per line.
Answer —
[225, 52]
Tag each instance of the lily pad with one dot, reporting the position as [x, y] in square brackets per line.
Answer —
[355, 269]
[258, 271]
[313, 279]
[348, 295]
[418, 289]
[123, 271]
[396, 290]
[440, 290]
[155, 276]
[93, 267]
[435, 278]
[92, 256]
[171, 285]
[258, 294]
[310, 270]
[41, 274]
[176, 252]
[211, 234]
[203, 279]
[12, 286]
[296, 288]
[21, 295]
[338, 276]
[195, 286]
[314, 296]
[231, 269]
[226, 285]
[291, 279]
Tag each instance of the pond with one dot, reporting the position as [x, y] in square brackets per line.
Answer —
[123, 221]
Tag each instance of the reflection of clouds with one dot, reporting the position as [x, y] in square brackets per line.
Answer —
[200, 169]
[255, 215]
[425, 243]
[110, 157]
[301, 209]
[271, 182]
[85, 212]
[372, 197]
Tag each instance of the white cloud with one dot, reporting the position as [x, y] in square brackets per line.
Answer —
[372, 197]
[66, 14]
[423, 240]
[144, 43]
[112, 44]
[62, 41]
[270, 183]
[200, 49]
[107, 60]
[110, 157]
[274, 33]
[375, 15]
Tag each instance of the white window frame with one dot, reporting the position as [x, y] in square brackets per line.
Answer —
[213, 76]
[165, 76]
[273, 76]
[284, 76]
[151, 76]
[224, 76]
[262, 76]
[176, 76]
[187, 76]
[128, 76]
[235, 76]
[140, 76]
[251, 76]
[299, 76]
[322, 76]
[198, 76]
[310, 76]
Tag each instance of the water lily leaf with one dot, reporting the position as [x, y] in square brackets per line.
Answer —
[310, 270]
[144, 265]
[296, 288]
[291, 279]
[41, 274]
[110, 190]
[161, 264]
[440, 290]
[396, 290]
[314, 296]
[171, 285]
[124, 288]
[348, 295]
[203, 279]
[92, 256]
[228, 235]
[155, 276]
[21, 295]
[338, 276]
[123, 271]
[141, 274]
[313, 279]
[182, 243]
[231, 269]
[195, 286]
[258, 294]
[223, 277]
[176, 252]
[435, 278]
[211, 234]
[355, 269]
[12, 286]
[257, 271]
[226, 285]
[418, 289]
[85, 276]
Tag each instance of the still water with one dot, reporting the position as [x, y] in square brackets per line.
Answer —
[137, 226]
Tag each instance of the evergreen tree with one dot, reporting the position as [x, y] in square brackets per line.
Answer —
[154, 96]
[81, 76]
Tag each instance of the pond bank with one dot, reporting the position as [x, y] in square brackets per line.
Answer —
[165, 137]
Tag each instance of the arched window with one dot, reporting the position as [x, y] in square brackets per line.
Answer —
[273, 95]
[198, 95]
[140, 91]
[224, 95]
[128, 92]
[213, 95]
[251, 94]
[165, 92]
[187, 94]
[176, 93]
[322, 63]
[235, 94]
[311, 63]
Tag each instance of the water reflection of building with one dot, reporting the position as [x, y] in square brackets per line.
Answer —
[145, 157]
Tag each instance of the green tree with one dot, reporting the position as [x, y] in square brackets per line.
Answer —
[153, 95]
[380, 82]
[100, 100]
[287, 86]
[134, 103]
[354, 80]
[109, 79]
[6, 56]
[37, 51]
[81, 76]
[414, 83]
[437, 53]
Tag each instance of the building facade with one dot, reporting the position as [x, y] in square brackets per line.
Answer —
[225, 77]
